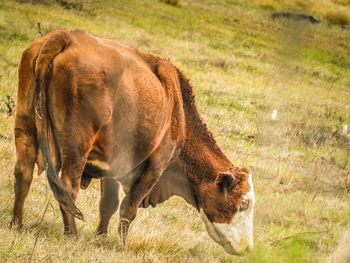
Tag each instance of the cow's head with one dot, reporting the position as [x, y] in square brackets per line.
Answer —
[226, 208]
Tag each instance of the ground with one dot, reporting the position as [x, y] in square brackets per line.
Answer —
[243, 64]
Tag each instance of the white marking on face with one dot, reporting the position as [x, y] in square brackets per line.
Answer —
[236, 236]
[100, 164]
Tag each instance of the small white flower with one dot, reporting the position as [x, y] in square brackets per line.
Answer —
[345, 128]
[274, 115]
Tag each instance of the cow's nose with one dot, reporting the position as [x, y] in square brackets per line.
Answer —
[243, 251]
[244, 246]
[234, 251]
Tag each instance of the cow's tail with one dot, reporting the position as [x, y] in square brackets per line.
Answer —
[43, 67]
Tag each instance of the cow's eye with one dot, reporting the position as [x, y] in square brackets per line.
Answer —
[244, 205]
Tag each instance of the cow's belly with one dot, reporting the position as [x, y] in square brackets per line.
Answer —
[123, 151]
[120, 150]
[98, 169]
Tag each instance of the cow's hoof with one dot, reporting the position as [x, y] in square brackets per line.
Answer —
[16, 223]
[71, 233]
[123, 228]
[100, 231]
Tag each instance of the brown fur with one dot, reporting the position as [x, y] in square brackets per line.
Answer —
[96, 100]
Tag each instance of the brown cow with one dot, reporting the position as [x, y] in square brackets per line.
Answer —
[91, 108]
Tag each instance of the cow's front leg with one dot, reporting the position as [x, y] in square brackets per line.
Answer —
[109, 203]
[139, 190]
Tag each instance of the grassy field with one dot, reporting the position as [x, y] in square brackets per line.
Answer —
[243, 65]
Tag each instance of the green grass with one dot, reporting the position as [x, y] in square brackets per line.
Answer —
[243, 64]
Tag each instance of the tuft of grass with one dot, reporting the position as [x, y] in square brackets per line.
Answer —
[335, 12]
[338, 17]
[171, 2]
[71, 4]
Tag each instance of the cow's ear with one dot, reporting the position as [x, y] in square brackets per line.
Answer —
[226, 182]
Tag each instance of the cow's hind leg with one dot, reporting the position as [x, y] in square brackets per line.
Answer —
[72, 167]
[109, 203]
[26, 156]
[74, 156]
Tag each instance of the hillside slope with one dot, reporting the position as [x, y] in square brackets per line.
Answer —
[243, 64]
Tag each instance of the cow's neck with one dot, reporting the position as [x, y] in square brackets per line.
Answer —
[201, 158]
[201, 162]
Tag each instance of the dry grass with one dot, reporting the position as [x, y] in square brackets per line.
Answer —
[338, 17]
[243, 65]
[336, 12]
[171, 2]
